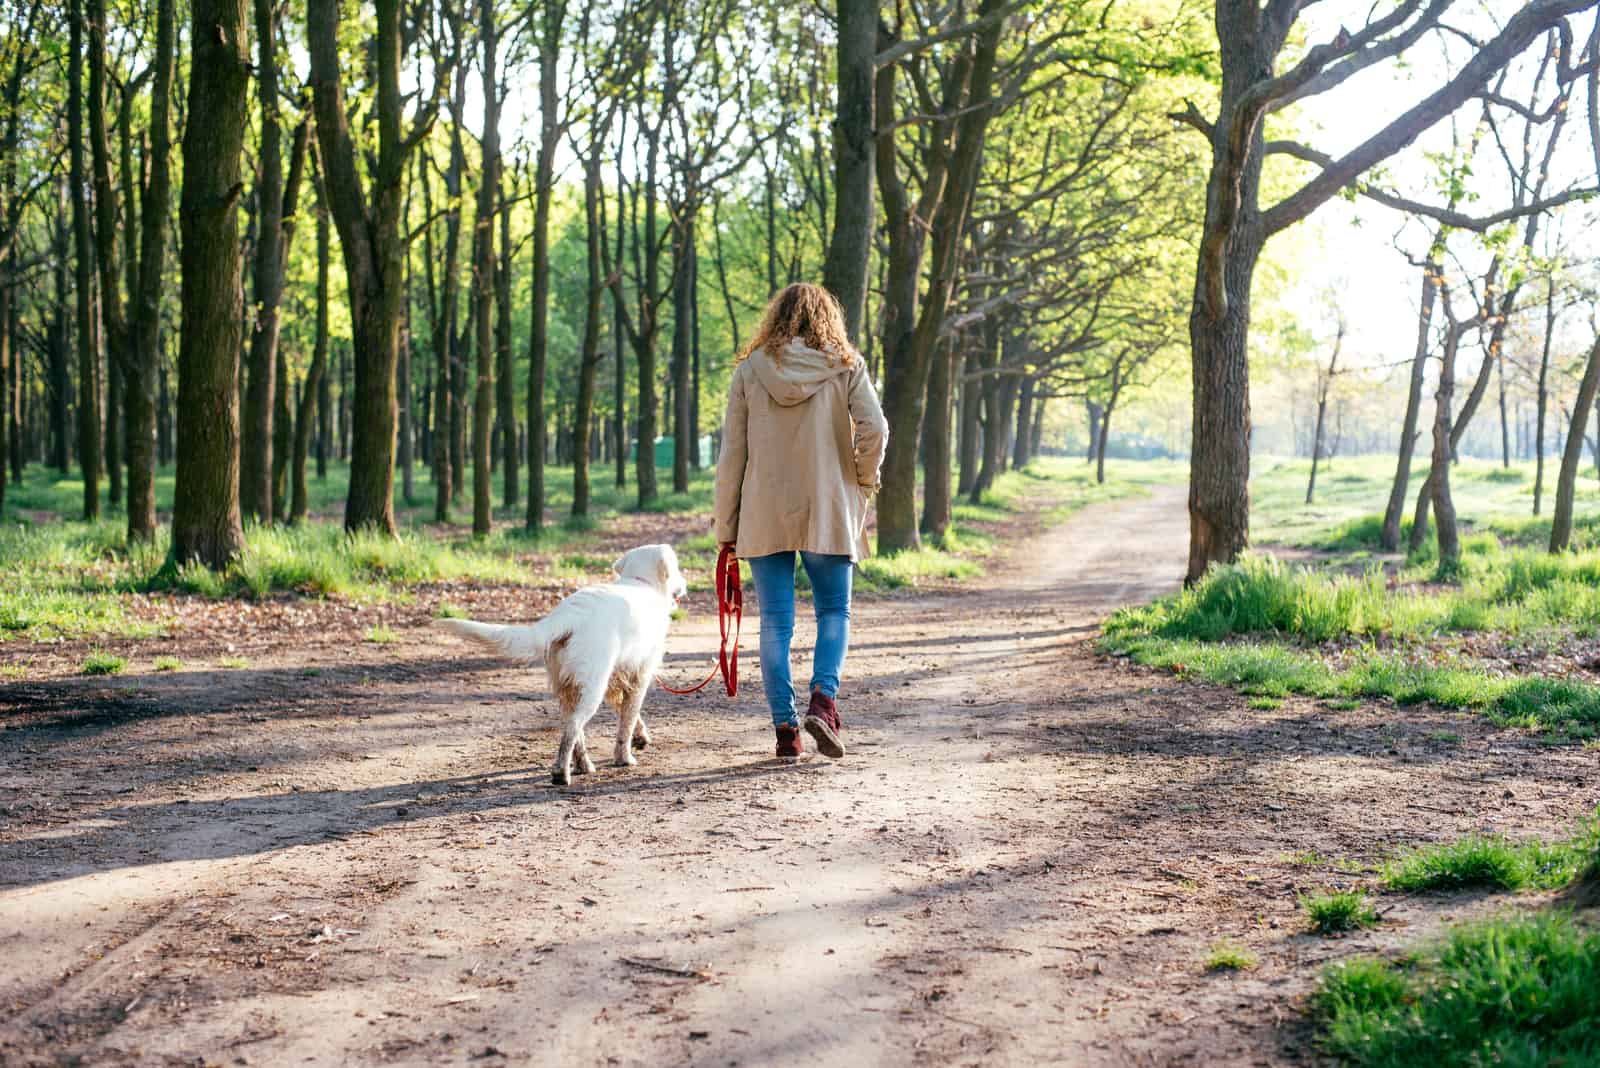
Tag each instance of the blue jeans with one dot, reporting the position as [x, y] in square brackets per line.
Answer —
[830, 596]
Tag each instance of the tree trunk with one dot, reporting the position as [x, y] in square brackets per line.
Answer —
[205, 515]
[505, 376]
[1022, 449]
[1389, 538]
[1100, 445]
[682, 341]
[971, 399]
[1444, 512]
[551, 18]
[1092, 414]
[844, 272]
[484, 272]
[112, 323]
[283, 408]
[374, 251]
[1324, 386]
[618, 333]
[936, 505]
[261, 373]
[88, 387]
[1572, 454]
[313, 402]
[589, 355]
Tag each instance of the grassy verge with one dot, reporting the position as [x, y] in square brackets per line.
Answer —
[1512, 990]
[1507, 990]
[1272, 630]
[68, 579]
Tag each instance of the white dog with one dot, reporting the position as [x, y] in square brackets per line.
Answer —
[602, 643]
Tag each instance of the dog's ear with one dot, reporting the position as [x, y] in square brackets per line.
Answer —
[663, 570]
[616, 568]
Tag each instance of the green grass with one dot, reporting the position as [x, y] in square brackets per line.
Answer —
[1513, 991]
[1229, 957]
[1353, 491]
[233, 662]
[1493, 862]
[68, 579]
[167, 663]
[103, 664]
[1389, 636]
[1562, 709]
[1346, 910]
[381, 635]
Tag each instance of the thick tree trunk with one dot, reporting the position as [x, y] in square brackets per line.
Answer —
[844, 272]
[1219, 465]
[261, 372]
[88, 385]
[1572, 455]
[205, 517]
[374, 251]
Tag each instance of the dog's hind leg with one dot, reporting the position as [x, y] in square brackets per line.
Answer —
[631, 727]
[581, 764]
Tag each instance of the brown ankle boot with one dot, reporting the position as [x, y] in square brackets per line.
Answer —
[789, 744]
[823, 724]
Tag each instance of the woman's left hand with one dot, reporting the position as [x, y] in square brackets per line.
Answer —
[726, 546]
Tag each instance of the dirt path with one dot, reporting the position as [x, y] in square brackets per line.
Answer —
[353, 855]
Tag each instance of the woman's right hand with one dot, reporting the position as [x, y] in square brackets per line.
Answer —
[726, 546]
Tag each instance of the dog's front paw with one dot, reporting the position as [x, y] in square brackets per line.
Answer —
[641, 739]
[560, 777]
[584, 766]
[624, 758]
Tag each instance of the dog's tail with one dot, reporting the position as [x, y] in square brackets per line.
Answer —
[513, 643]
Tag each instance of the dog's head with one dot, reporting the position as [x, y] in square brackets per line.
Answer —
[655, 564]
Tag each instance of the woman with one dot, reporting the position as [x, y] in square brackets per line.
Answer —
[801, 447]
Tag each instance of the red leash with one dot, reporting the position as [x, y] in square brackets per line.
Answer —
[730, 606]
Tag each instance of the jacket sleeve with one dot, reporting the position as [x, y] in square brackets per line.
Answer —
[871, 429]
[730, 464]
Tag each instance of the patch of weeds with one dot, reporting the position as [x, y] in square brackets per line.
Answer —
[103, 664]
[167, 663]
[1494, 862]
[233, 662]
[1229, 957]
[310, 673]
[1444, 737]
[1264, 704]
[1345, 910]
[446, 610]
[14, 671]
[1511, 990]
[381, 635]
[1310, 858]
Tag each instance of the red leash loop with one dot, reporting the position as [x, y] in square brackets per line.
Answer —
[730, 607]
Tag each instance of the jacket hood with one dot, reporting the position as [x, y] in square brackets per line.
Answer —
[798, 374]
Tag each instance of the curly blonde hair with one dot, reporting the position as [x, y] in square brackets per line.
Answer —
[807, 312]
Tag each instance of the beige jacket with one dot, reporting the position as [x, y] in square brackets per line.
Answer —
[801, 447]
